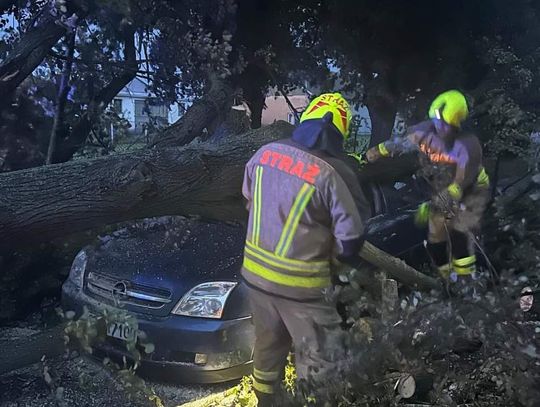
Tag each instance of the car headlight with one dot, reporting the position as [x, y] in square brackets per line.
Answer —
[76, 274]
[206, 300]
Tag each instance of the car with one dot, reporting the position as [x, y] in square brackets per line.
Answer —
[180, 279]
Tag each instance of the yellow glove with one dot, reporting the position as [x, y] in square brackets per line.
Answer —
[358, 157]
[421, 217]
[448, 200]
[455, 191]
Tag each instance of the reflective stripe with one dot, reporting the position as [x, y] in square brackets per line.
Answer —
[268, 376]
[293, 219]
[465, 261]
[383, 150]
[465, 271]
[257, 195]
[283, 267]
[465, 266]
[262, 387]
[286, 270]
[284, 279]
[445, 270]
[483, 178]
[286, 262]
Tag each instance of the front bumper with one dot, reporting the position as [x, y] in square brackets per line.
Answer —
[227, 344]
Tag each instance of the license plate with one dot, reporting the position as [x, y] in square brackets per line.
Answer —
[121, 331]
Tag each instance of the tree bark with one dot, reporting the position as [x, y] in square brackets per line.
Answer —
[28, 350]
[27, 55]
[254, 82]
[41, 204]
[256, 106]
[382, 113]
[63, 90]
[397, 268]
[212, 107]
[6, 4]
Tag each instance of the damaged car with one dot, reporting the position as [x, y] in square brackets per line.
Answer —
[180, 279]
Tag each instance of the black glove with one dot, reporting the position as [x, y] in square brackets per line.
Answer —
[351, 251]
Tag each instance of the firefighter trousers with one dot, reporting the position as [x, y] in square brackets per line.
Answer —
[312, 327]
[457, 232]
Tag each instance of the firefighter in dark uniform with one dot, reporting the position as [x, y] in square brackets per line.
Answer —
[452, 162]
[305, 209]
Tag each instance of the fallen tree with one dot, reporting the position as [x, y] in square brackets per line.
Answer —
[46, 203]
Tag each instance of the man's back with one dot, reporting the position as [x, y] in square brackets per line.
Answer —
[300, 207]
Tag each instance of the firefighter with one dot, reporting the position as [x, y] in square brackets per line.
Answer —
[305, 209]
[452, 162]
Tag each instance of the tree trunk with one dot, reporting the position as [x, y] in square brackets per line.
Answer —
[256, 106]
[30, 349]
[397, 268]
[46, 203]
[6, 4]
[212, 107]
[254, 82]
[40, 204]
[27, 55]
[63, 90]
[70, 144]
[382, 113]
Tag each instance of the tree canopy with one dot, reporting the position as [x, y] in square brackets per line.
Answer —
[488, 49]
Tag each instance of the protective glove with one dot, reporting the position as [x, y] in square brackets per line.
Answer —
[359, 158]
[421, 216]
[447, 201]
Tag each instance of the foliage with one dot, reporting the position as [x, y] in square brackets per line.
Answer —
[504, 124]
[514, 230]
[89, 329]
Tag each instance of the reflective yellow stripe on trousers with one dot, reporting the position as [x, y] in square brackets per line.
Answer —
[465, 266]
[257, 198]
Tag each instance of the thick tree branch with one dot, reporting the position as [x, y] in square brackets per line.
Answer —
[212, 107]
[61, 99]
[6, 4]
[87, 62]
[45, 203]
[51, 202]
[27, 55]
[397, 268]
[100, 101]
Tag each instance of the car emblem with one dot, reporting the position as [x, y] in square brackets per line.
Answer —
[120, 289]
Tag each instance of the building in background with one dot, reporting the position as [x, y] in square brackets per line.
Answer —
[276, 108]
[133, 104]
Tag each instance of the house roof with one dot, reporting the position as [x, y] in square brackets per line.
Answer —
[136, 88]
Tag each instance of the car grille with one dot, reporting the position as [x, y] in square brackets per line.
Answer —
[127, 292]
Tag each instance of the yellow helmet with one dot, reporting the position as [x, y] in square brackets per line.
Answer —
[451, 107]
[335, 104]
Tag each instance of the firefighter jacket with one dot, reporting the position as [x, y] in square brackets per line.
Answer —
[301, 214]
[460, 154]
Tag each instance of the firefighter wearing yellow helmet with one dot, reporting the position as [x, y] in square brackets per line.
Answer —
[330, 103]
[305, 208]
[452, 161]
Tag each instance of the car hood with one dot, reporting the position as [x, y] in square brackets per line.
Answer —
[167, 257]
